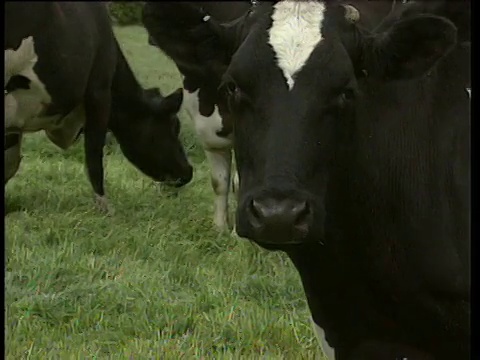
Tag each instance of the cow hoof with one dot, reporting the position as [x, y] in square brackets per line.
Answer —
[233, 233]
[102, 205]
[222, 224]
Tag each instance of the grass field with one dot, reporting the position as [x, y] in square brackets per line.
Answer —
[154, 281]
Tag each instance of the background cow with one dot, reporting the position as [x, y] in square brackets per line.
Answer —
[200, 96]
[65, 72]
[352, 147]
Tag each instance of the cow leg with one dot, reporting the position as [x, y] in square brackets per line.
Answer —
[218, 152]
[235, 188]
[235, 181]
[97, 111]
[220, 166]
[13, 156]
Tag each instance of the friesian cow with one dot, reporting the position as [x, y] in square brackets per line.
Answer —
[65, 73]
[352, 144]
[199, 98]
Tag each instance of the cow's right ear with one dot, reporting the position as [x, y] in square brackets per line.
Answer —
[410, 47]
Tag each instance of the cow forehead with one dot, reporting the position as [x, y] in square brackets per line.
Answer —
[294, 34]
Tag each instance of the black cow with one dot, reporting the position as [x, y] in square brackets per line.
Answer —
[200, 91]
[352, 125]
[65, 73]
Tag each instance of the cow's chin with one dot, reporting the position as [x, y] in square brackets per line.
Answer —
[172, 183]
[286, 246]
[278, 243]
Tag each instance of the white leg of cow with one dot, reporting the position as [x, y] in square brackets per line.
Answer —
[235, 182]
[235, 187]
[327, 350]
[218, 152]
[220, 163]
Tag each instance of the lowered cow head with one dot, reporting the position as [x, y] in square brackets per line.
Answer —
[153, 143]
[289, 77]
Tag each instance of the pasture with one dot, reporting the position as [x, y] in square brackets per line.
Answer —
[154, 281]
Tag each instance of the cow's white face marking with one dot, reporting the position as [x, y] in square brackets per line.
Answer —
[327, 350]
[469, 92]
[295, 32]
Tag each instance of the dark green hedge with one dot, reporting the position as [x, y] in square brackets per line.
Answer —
[126, 12]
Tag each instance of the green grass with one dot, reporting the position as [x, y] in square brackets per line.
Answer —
[154, 281]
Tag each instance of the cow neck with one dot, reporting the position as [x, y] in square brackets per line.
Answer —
[127, 102]
[127, 93]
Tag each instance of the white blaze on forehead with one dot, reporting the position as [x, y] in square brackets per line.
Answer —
[295, 33]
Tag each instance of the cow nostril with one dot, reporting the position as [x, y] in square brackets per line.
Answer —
[256, 212]
[301, 213]
[273, 220]
[280, 213]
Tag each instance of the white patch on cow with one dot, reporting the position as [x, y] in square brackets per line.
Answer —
[218, 152]
[205, 126]
[20, 61]
[25, 107]
[295, 32]
[469, 92]
[327, 350]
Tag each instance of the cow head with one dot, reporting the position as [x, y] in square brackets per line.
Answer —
[153, 143]
[289, 77]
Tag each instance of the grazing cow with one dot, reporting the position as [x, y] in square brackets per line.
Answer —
[65, 73]
[199, 101]
[352, 124]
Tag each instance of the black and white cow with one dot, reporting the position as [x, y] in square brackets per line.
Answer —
[200, 96]
[352, 144]
[65, 73]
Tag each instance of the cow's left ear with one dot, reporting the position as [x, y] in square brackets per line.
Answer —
[410, 47]
[171, 104]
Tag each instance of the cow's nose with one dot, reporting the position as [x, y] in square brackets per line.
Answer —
[280, 221]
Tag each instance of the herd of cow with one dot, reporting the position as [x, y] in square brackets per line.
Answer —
[350, 125]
